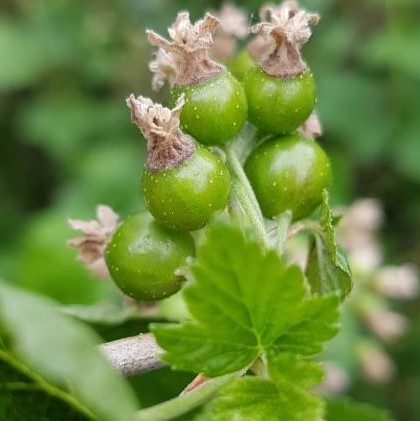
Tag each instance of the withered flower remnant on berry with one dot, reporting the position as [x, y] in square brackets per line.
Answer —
[289, 27]
[233, 26]
[167, 145]
[188, 47]
[96, 235]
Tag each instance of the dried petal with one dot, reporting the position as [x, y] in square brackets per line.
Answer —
[398, 281]
[336, 380]
[357, 230]
[377, 366]
[187, 50]
[290, 28]
[107, 218]
[233, 21]
[312, 127]
[164, 68]
[96, 235]
[386, 324]
[167, 145]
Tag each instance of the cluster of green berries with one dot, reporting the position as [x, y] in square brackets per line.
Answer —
[184, 183]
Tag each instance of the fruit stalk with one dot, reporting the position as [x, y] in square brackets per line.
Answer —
[245, 194]
[134, 355]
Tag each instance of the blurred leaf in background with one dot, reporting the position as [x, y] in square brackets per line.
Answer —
[67, 144]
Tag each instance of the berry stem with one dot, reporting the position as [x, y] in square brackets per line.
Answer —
[185, 403]
[283, 223]
[134, 355]
[245, 195]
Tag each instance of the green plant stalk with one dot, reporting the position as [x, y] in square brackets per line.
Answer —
[283, 223]
[246, 196]
[185, 403]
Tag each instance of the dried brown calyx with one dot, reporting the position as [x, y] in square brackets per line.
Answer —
[262, 46]
[95, 238]
[233, 26]
[163, 68]
[188, 49]
[289, 27]
[167, 145]
[312, 127]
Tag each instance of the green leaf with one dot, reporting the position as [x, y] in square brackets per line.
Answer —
[365, 134]
[22, 399]
[345, 410]
[110, 321]
[66, 280]
[257, 399]
[22, 62]
[59, 123]
[59, 358]
[327, 270]
[405, 153]
[394, 49]
[244, 302]
[103, 313]
[185, 403]
[313, 324]
[288, 368]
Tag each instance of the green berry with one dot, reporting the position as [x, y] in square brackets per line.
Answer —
[186, 196]
[289, 173]
[143, 256]
[215, 109]
[279, 105]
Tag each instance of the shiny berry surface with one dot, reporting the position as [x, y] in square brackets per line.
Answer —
[215, 110]
[185, 197]
[279, 105]
[142, 257]
[289, 173]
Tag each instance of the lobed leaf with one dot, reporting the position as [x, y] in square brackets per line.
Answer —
[327, 270]
[244, 302]
[256, 399]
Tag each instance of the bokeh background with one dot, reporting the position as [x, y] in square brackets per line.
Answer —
[66, 142]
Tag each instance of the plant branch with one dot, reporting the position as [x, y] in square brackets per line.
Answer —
[134, 355]
[283, 223]
[245, 195]
[186, 402]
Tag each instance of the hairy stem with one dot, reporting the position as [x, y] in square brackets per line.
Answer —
[186, 402]
[245, 195]
[283, 223]
[134, 355]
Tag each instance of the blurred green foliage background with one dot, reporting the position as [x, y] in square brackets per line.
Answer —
[66, 142]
